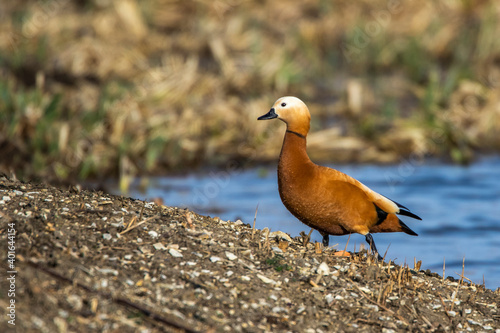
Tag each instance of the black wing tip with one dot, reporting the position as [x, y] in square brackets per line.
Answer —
[398, 204]
[406, 211]
[406, 229]
[410, 214]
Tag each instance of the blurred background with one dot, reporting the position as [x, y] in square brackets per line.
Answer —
[115, 92]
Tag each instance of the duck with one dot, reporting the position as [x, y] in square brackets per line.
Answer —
[323, 198]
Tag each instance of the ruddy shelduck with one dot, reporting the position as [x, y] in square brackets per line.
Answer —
[323, 198]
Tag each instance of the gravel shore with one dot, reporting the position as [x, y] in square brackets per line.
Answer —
[90, 261]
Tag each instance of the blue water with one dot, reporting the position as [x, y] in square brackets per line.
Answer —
[460, 208]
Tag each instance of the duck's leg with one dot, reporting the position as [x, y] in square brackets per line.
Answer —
[369, 240]
[326, 239]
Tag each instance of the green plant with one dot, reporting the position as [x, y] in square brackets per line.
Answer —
[277, 263]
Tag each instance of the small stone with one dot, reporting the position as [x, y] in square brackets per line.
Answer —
[245, 278]
[106, 236]
[280, 235]
[323, 269]
[6, 198]
[108, 271]
[473, 322]
[37, 321]
[153, 234]
[301, 309]
[451, 313]
[115, 224]
[366, 290]
[215, 259]
[75, 301]
[231, 256]
[197, 254]
[159, 246]
[63, 313]
[277, 249]
[278, 309]
[62, 324]
[174, 253]
[265, 279]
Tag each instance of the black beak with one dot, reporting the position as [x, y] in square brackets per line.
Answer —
[270, 115]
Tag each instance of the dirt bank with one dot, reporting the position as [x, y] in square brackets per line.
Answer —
[89, 261]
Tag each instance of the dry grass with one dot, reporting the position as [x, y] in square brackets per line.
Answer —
[119, 88]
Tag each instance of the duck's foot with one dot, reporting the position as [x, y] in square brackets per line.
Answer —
[326, 239]
[371, 242]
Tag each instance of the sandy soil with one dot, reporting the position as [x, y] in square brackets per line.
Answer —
[90, 261]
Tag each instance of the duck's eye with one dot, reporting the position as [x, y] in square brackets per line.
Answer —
[283, 104]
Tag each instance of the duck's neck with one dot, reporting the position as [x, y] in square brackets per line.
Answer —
[293, 155]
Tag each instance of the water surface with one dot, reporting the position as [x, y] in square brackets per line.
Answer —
[460, 208]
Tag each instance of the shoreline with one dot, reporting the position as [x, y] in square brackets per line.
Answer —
[87, 260]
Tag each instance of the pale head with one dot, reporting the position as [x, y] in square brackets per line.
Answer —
[293, 112]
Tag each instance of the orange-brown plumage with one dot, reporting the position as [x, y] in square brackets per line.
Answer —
[323, 198]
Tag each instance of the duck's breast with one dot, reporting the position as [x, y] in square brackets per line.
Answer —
[326, 203]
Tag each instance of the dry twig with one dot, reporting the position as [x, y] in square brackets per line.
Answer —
[382, 306]
[132, 226]
[254, 220]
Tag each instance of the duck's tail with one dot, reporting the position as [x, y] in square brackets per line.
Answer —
[391, 223]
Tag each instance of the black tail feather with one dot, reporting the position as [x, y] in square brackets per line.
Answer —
[406, 211]
[410, 214]
[406, 229]
[398, 204]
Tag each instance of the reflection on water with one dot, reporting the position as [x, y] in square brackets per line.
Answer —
[460, 208]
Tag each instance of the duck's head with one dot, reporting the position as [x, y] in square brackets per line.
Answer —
[293, 112]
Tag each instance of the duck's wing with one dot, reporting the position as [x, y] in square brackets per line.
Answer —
[384, 203]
